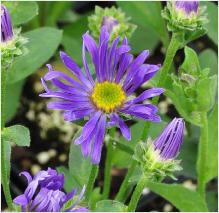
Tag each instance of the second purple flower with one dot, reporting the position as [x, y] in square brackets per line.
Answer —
[105, 98]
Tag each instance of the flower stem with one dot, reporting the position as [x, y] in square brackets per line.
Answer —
[202, 155]
[91, 181]
[4, 171]
[171, 52]
[107, 171]
[136, 194]
[123, 189]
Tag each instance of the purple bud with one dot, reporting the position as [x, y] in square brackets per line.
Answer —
[169, 142]
[6, 25]
[109, 22]
[187, 6]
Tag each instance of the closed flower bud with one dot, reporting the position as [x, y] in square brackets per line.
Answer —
[115, 21]
[184, 15]
[12, 43]
[157, 158]
[6, 25]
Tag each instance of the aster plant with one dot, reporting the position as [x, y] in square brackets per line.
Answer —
[44, 194]
[108, 96]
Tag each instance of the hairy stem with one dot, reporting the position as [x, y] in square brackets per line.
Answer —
[5, 178]
[91, 181]
[136, 194]
[202, 155]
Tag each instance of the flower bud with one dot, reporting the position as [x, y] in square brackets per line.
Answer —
[6, 26]
[184, 15]
[12, 43]
[157, 159]
[117, 24]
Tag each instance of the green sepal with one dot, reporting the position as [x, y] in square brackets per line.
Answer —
[152, 166]
[12, 48]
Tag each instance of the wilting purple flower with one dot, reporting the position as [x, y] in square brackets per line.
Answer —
[118, 75]
[169, 142]
[109, 22]
[187, 6]
[43, 193]
[6, 25]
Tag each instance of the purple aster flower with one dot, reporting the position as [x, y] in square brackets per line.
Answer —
[6, 25]
[109, 22]
[43, 193]
[188, 7]
[103, 100]
[169, 142]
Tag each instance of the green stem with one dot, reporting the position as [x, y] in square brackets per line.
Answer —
[202, 155]
[168, 61]
[136, 194]
[5, 176]
[91, 181]
[107, 171]
[171, 52]
[123, 189]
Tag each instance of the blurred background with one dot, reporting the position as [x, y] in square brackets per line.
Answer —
[50, 135]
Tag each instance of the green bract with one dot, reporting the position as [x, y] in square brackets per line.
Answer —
[12, 48]
[122, 29]
[178, 20]
[153, 167]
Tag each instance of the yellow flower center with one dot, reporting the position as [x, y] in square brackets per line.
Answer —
[107, 96]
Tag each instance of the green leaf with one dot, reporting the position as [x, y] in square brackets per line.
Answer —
[56, 9]
[12, 99]
[191, 62]
[208, 58]
[94, 198]
[143, 39]
[70, 182]
[182, 198]
[72, 38]
[110, 206]
[212, 26]
[79, 166]
[21, 12]
[17, 134]
[206, 90]
[146, 14]
[212, 165]
[188, 156]
[42, 44]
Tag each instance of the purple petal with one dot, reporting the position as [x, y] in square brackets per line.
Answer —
[98, 140]
[135, 65]
[28, 176]
[147, 94]
[91, 46]
[123, 66]
[123, 127]
[72, 66]
[88, 128]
